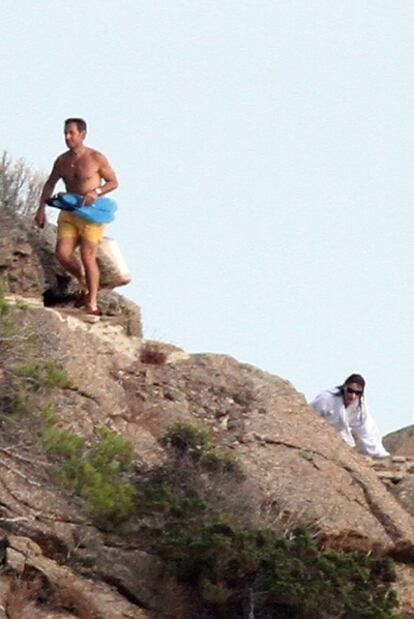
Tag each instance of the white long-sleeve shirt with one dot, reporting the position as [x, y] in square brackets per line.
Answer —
[354, 419]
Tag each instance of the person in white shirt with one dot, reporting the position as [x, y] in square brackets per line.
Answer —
[345, 409]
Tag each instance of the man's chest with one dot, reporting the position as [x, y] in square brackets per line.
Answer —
[79, 170]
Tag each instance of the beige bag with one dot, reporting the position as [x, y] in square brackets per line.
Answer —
[114, 271]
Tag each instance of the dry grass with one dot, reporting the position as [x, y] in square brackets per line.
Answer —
[153, 353]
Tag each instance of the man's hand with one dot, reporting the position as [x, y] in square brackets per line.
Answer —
[40, 217]
[89, 198]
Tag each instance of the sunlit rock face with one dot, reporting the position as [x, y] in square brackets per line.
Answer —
[28, 268]
[401, 442]
[298, 469]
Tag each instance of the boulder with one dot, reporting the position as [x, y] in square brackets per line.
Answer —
[298, 469]
[86, 597]
[297, 463]
[29, 268]
[401, 442]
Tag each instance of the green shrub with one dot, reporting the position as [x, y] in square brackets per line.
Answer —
[186, 439]
[103, 479]
[98, 474]
[61, 442]
[232, 568]
[42, 375]
[236, 569]
[4, 306]
[27, 385]
[113, 452]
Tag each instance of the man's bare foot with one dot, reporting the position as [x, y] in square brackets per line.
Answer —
[93, 311]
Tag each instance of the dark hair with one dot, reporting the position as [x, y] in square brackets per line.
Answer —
[354, 378]
[79, 122]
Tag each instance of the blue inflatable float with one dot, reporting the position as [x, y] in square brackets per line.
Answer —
[102, 211]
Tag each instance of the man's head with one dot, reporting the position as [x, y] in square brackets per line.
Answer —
[75, 132]
[353, 389]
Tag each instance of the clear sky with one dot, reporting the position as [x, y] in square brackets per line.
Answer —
[265, 153]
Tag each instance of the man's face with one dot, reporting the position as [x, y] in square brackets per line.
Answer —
[352, 393]
[73, 137]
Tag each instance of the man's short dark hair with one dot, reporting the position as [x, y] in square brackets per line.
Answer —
[79, 122]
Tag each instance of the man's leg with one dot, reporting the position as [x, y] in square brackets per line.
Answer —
[88, 255]
[64, 252]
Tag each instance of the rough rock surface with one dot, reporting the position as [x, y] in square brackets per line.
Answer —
[29, 268]
[401, 442]
[20, 265]
[87, 597]
[296, 464]
[42, 532]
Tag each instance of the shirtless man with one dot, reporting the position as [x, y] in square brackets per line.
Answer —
[87, 172]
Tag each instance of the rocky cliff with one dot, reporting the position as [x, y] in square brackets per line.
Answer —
[298, 469]
[401, 442]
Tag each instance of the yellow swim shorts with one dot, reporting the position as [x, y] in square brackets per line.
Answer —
[73, 226]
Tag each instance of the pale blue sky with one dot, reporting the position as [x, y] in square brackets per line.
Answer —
[264, 151]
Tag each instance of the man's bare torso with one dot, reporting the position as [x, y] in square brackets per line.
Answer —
[80, 173]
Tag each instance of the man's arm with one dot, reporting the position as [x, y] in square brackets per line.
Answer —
[48, 187]
[108, 175]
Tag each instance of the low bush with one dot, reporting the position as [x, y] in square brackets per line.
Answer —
[192, 442]
[239, 572]
[236, 569]
[99, 474]
[42, 375]
[4, 306]
[20, 187]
